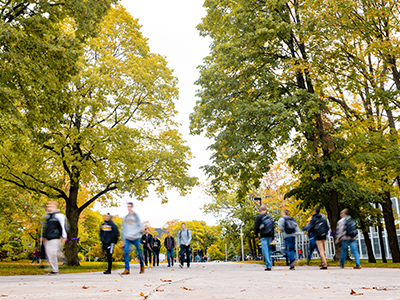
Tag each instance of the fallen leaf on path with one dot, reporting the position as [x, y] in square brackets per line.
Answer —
[186, 288]
[85, 287]
[119, 290]
[116, 280]
[24, 282]
[368, 287]
[353, 292]
[147, 285]
[4, 295]
[159, 290]
[327, 287]
[172, 270]
[103, 290]
[313, 287]
[141, 294]
[348, 277]
[92, 285]
[166, 280]
[242, 290]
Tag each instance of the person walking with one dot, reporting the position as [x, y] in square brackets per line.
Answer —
[319, 227]
[156, 250]
[289, 228]
[132, 229]
[347, 235]
[169, 243]
[54, 232]
[264, 225]
[147, 241]
[109, 235]
[200, 254]
[184, 239]
[35, 256]
[312, 242]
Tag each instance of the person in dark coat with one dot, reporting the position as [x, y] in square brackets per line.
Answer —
[156, 250]
[147, 241]
[266, 236]
[169, 243]
[109, 235]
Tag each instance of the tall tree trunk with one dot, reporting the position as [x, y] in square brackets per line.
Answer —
[390, 227]
[71, 246]
[367, 240]
[381, 243]
[332, 209]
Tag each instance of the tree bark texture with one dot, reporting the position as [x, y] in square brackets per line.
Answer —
[390, 227]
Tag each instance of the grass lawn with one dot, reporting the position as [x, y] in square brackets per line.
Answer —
[331, 262]
[25, 268]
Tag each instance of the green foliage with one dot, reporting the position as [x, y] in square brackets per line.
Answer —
[215, 253]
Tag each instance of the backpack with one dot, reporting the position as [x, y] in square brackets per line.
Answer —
[321, 229]
[351, 229]
[267, 225]
[290, 225]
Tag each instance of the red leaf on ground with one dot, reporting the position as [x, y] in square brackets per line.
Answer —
[186, 288]
[103, 290]
[166, 280]
[85, 287]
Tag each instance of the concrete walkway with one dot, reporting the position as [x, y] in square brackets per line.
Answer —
[208, 281]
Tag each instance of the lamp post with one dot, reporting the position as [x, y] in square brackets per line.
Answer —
[241, 240]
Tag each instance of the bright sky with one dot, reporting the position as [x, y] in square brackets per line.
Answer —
[170, 26]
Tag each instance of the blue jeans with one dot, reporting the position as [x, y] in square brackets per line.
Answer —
[185, 249]
[289, 248]
[266, 250]
[127, 252]
[170, 256]
[353, 247]
[313, 246]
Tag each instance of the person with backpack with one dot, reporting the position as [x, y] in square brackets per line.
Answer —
[312, 243]
[184, 239]
[53, 231]
[347, 235]
[289, 228]
[156, 250]
[109, 235]
[264, 226]
[319, 227]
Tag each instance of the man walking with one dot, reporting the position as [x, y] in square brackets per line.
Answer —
[156, 250]
[131, 231]
[169, 243]
[319, 227]
[264, 226]
[347, 235]
[54, 230]
[289, 228]
[312, 243]
[184, 239]
[35, 256]
[200, 254]
[109, 237]
[147, 241]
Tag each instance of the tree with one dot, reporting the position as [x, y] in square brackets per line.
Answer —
[117, 135]
[258, 93]
[215, 253]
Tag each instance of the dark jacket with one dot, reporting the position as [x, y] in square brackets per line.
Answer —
[169, 243]
[54, 226]
[257, 227]
[156, 244]
[109, 232]
[147, 241]
[316, 218]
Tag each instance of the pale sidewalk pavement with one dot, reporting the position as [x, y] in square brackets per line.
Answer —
[208, 281]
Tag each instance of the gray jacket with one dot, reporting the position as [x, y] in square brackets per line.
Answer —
[132, 227]
[281, 224]
[184, 237]
[341, 228]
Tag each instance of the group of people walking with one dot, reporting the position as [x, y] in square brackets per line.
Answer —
[317, 228]
[132, 235]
